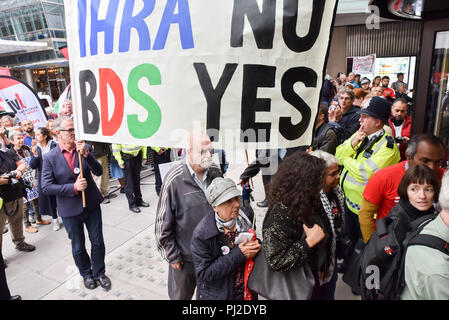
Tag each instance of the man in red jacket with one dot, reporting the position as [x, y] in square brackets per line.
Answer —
[401, 125]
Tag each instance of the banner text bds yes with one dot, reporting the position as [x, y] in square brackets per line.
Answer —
[263, 34]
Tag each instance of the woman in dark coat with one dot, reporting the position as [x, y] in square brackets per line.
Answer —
[218, 258]
[296, 230]
[47, 204]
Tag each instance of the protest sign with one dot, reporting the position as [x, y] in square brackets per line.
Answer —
[19, 98]
[364, 65]
[149, 72]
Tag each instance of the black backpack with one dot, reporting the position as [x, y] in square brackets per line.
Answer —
[383, 256]
[339, 131]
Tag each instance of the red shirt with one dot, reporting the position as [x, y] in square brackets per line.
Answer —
[70, 157]
[382, 188]
[388, 92]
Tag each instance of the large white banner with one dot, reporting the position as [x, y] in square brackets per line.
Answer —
[149, 72]
[18, 98]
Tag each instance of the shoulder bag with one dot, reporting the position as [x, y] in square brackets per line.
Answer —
[294, 284]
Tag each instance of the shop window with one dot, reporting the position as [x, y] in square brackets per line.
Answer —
[437, 112]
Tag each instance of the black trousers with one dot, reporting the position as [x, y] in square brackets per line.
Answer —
[4, 290]
[133, 165]
[157, 160]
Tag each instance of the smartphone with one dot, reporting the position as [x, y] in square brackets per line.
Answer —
[399, 139]
[242, 236]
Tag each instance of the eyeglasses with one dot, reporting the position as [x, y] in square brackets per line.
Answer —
[205, 151]
[71, 130]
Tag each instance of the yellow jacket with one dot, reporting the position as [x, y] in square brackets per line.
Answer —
[358, 169]
[128, 149]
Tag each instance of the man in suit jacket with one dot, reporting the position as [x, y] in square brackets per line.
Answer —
[60, 177]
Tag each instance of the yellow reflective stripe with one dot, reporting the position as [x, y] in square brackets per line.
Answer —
[372, 165]
[130, 149]
[354, 181]
[363, 172]
[381, 143]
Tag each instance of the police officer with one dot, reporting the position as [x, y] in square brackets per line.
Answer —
[129, 158]
[367, 151]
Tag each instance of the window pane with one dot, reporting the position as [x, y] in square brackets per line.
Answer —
[55, 15]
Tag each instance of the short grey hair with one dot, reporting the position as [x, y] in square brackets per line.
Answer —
[57, 124]
[444, 192]
[327, 157]
[14, 133]
[348, 91]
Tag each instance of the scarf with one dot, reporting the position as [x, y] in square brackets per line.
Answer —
[397, 123]
[414, 213]
[241, 221]
[328, 209]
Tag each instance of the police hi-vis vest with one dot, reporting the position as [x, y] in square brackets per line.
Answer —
[129, 149]
[357, 170]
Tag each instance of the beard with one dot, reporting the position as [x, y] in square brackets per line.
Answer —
[206, 163]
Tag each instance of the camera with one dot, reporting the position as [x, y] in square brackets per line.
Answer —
[12, 177]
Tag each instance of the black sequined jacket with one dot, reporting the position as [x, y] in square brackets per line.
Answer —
[284, 241]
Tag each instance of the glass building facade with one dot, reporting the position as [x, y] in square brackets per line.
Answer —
[36, 20]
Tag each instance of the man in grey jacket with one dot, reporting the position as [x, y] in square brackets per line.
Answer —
[182, 205]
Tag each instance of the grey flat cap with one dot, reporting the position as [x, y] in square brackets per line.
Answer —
[221, 190]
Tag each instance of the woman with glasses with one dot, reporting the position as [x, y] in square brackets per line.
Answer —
[332, 203]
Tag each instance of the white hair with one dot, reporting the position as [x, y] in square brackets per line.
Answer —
[57, 124]
[444, 192]
[12, 134]
[327, 157]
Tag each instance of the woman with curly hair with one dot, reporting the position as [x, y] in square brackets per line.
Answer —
[296, 230]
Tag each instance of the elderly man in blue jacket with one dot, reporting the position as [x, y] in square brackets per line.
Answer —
[61, 177]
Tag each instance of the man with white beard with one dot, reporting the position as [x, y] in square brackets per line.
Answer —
[182, 205]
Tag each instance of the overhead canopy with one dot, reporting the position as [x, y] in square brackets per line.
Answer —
[45, 64]
[10, 46]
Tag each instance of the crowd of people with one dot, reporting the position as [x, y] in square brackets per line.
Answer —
[34, 185]
[363, 165]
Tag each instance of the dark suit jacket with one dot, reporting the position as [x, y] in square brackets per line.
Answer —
[47, 204]
[57, 179]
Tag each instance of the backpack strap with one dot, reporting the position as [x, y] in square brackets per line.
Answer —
[431, 242]
[421, 222]
[416, 225]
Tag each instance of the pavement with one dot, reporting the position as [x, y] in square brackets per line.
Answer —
[133, 262]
